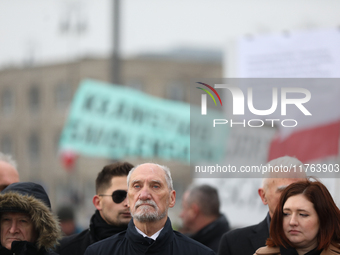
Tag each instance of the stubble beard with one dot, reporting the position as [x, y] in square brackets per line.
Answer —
[121, 223]
[118, 221]
[144, 214]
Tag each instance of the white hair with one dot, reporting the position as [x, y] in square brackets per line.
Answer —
[8, 159]
[296, 169]
[164, 168]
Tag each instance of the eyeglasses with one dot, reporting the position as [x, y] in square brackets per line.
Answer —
[118, 196]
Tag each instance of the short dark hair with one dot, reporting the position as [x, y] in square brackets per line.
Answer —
[105, 176]
[206, 197]
[327, 211]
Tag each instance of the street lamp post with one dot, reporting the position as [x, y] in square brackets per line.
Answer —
[115, 74]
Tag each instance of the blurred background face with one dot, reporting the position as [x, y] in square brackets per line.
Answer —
[8, 175]
[149, 195]
[187, 213]
[112, 213]
[300, 222]
[16, 227]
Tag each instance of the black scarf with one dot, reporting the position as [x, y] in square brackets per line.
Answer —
[292, 251]
[100, 229]
[22, 248]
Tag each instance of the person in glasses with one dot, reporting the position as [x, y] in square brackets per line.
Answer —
[112, 215]
[150, 195]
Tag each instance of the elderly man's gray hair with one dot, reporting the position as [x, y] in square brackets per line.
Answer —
[8, 159]
[164, 168]
[296, 169]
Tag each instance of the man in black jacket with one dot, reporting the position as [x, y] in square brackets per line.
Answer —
[150, 194]
[112, 215]
[201, 216]
[28, 226]
[247, 240]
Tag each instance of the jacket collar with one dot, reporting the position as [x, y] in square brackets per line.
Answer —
[100, 230]
[22, 247]
[142, 245]
[207, 232]
[332, 250]
[260, 233]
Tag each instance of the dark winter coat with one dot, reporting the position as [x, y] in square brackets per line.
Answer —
[211, 234]
[169, 242]
[245, 240]
[31, 198]
[78, 243]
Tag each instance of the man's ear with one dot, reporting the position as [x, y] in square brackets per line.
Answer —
[262, 195]
[195, 208]
[97, 202]
[172, 201]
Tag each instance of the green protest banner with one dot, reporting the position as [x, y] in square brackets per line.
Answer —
[112, 121]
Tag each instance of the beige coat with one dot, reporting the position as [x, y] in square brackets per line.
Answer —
[276, 251]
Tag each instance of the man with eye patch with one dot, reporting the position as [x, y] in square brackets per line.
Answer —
[150, 195]
[112, 215]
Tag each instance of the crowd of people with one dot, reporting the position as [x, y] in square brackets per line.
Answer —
[131, 216]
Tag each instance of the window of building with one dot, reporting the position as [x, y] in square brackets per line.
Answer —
[175, 91]
[7, 101]
[34, 98]
[136, 84]
[34, 146]
[6, 145]
[63, 96]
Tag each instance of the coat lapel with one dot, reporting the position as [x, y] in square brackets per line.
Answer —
[260, 235]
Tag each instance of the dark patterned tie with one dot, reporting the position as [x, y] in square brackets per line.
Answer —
[149, 240]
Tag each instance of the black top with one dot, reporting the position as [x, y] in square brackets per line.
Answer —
[292, 251]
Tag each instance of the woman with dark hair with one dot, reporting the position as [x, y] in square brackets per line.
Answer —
[306, 221]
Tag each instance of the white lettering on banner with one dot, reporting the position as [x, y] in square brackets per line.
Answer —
[115, 121]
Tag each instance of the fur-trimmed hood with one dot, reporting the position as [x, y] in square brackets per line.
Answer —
[31, 198]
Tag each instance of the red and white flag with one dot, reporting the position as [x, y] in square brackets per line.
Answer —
[317, 136]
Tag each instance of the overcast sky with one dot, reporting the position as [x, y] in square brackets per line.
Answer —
[44, 30]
